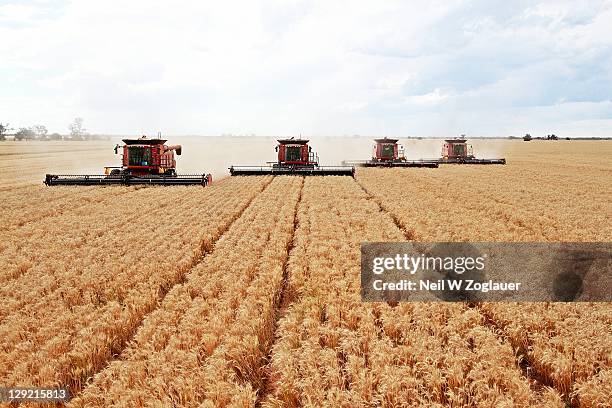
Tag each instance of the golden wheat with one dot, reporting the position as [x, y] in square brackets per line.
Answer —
[96, 286]
[210, 337]
[544, 196]
[332, 349]
[258, 311]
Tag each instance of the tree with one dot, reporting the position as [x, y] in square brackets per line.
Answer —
[40, 131]
[77, 131]
[24, 133]
[4, 129]
[55, 136]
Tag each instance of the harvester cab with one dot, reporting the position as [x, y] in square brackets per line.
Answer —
[387, 150]
[294, 157]
[295, 152]
[148, 157]
[458, 151]
[144, 161]
[388, 153]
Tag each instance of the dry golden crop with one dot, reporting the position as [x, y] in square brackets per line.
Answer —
[548, 193]
[596, 391]
[25, 163]
[524, 201]
[101, 271]
[246, 292]
[557, 339]
[211, 335]
[334, 350]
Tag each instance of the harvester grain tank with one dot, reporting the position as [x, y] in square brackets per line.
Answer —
[388, 153]
[144, 161]
[295, 157]
[458, 151]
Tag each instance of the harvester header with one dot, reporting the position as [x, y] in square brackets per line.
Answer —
[295, 157]
[144, 161]
[388, 153]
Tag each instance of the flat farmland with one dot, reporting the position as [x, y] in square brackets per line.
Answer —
[246, 293]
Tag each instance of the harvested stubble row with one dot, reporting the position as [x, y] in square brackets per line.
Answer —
[209, 339]
[334, 350]
[558, 341]
[93, 301]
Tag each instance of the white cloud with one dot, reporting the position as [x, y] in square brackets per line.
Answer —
[431, 98]
[315, 67]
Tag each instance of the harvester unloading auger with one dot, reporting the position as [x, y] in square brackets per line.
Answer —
[145, 162]
[295, 157]
[457, 151]
[388, 153]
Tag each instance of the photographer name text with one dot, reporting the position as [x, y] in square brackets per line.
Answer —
[445, 285]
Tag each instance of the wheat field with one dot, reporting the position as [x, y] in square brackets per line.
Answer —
[245, 293]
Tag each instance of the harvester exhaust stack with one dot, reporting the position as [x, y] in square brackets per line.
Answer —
[296, 158]
[177, 148]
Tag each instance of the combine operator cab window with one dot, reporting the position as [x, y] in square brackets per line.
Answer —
[139, 156]
[387, 150]
[459, 150]
[293, 154]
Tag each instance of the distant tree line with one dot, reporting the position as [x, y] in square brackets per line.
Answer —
[40, 132]
[4, 129]
[528, 137]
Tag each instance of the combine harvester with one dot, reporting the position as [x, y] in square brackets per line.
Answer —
[457, 151]
[145, 161]
[295, 157]
[388, 153]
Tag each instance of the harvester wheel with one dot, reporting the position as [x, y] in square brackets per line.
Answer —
[170, 173]
[115, 172]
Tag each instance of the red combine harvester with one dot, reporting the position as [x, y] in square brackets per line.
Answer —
[295, 157]
[457, 151]
[145, 161]
[388, 153]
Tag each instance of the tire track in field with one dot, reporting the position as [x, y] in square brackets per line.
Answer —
[408, 233]
[162, 292]
[283, 301]
[536, 380]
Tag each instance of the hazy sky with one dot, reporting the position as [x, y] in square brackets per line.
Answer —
[316, 68]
